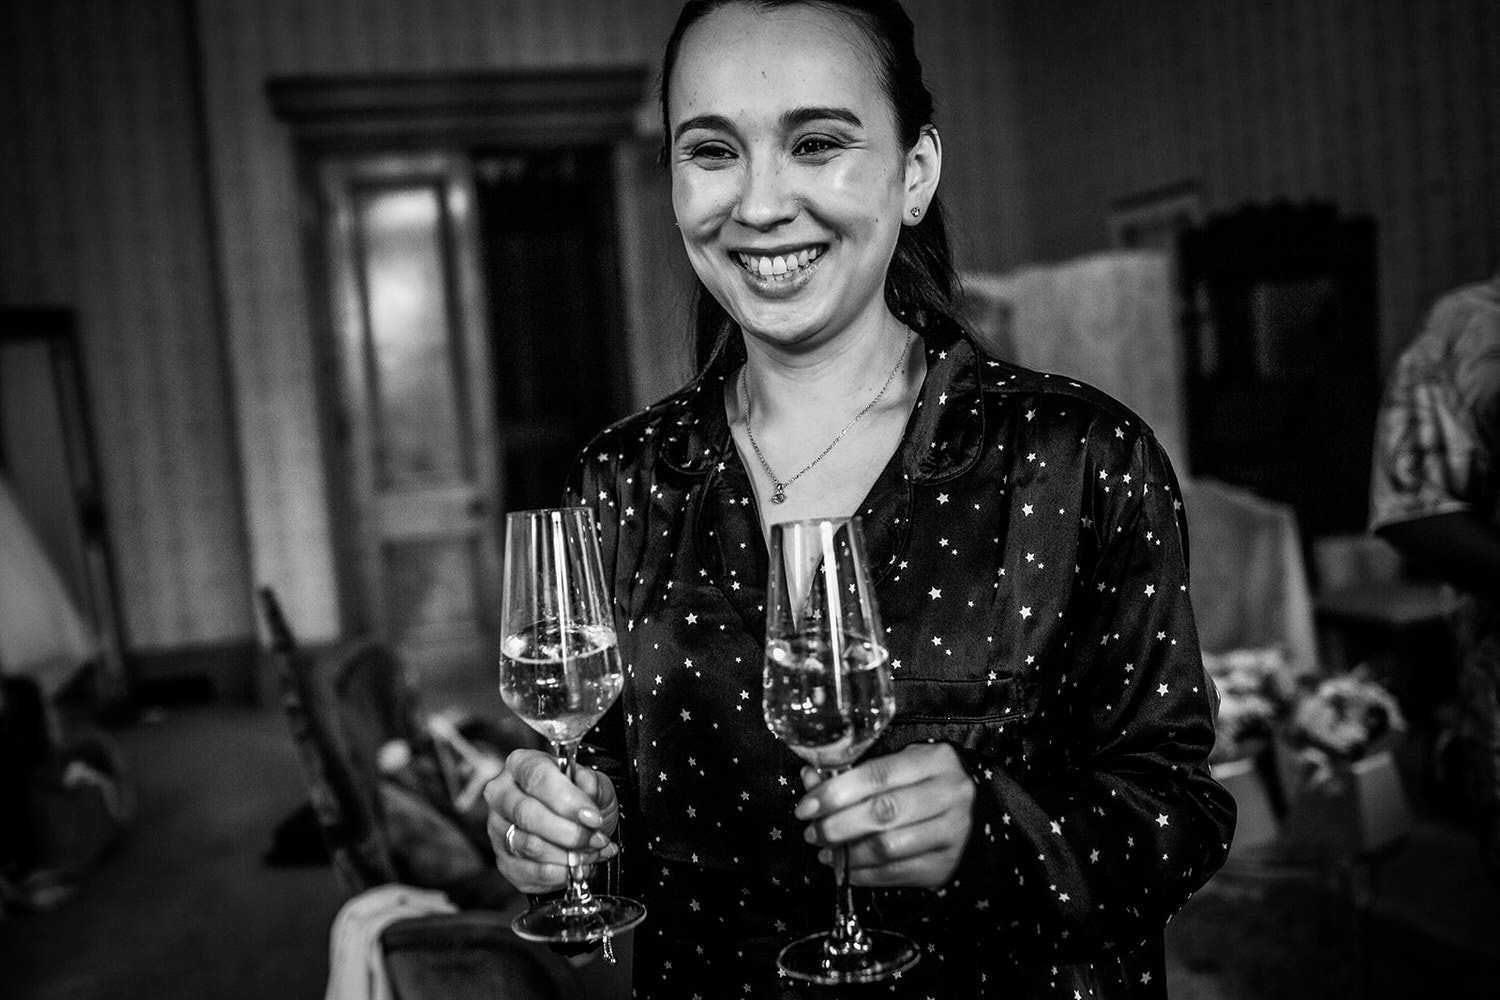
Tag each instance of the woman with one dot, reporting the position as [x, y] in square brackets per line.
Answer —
[1041, 804]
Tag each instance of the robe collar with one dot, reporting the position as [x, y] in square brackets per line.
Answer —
[944, 439]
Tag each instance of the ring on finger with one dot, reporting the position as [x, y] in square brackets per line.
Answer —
[510, 841]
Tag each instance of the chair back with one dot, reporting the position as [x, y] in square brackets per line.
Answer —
[341, 773]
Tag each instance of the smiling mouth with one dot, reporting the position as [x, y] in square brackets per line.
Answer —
[779, 266]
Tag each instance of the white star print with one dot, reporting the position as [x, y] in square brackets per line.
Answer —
[935, 593]
[941, 498]
[1025, 611]
[1161, 689]
[1161, 820]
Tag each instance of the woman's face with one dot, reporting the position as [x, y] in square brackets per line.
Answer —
[788, 178]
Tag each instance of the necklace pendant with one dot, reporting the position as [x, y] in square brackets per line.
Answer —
[780, 495]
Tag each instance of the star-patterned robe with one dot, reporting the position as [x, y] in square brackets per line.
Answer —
[1030, 551]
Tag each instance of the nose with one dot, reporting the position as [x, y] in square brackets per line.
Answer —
[765, 197]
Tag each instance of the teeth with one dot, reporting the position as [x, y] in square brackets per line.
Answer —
[780, 265]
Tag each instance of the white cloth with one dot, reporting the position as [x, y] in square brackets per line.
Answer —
[356, 965]
[42, 633]
[1107, 319]
[1248, 583]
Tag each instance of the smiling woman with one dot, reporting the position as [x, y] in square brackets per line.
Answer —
[1041, 802]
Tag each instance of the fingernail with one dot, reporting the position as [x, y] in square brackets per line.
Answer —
[589, 817]
[806, 809]
[825, 857]
[609, 852]
[809, 836]
[598, 841]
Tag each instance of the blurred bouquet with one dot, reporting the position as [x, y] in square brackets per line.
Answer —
[1255, 694]
[1335, 763]
[1342, 719]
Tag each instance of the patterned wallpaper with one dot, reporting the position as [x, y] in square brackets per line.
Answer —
[196, 332]
[197, 335]
[1386, 107]
[102, 208]
[245, 43]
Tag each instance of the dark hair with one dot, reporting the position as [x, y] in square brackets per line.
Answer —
[919, 283]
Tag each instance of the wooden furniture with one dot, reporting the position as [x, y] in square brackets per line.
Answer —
[341, 719]
[1281, 358]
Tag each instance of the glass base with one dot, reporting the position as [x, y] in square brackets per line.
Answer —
[557, 924]
[812, 959]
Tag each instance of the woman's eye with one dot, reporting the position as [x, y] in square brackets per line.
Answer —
[711, 151]
[814, 145]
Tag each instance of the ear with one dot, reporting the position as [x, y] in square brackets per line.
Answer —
[924, 165]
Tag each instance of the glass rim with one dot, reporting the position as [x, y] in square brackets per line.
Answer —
[547, 511]
[809, 521]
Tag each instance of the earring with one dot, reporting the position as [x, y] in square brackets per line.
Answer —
[916, 213]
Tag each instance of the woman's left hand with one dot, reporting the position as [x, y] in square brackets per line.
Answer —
[904, 817]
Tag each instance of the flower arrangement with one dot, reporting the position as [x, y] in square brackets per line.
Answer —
[1343, 789]
[1255, 694]
[1342, 719]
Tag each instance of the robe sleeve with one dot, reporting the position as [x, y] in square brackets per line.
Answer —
[1088, 846]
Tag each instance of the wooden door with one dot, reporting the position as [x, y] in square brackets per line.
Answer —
[417, 424]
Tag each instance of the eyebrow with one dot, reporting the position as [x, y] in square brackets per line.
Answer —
[794, 118]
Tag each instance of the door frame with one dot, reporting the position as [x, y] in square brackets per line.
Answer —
[332, 116]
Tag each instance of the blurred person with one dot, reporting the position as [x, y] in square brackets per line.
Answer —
[1435, 496]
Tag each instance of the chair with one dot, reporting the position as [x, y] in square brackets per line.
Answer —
[340, 721]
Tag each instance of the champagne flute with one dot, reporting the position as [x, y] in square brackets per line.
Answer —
[559, 672]
[828, 694]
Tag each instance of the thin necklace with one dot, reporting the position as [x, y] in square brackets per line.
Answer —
[778, 495]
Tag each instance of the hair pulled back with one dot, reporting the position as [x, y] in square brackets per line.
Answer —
[919, 283]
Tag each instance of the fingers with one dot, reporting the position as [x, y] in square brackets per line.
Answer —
[904, 818]
[552, 817]
[909, 787]
[901, 844]
[925, 855]
[531, 792]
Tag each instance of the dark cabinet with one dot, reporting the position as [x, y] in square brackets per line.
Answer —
[1282, 374]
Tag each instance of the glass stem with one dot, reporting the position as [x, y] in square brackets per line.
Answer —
[577, 898]
[847, 937]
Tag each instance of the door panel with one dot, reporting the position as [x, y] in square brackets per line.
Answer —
[416, 389]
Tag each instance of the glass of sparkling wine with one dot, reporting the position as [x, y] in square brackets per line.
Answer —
[828, 694]
[559, 672]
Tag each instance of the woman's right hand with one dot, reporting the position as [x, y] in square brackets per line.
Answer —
[553, 817]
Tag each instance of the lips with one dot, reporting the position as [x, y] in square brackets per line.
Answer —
[782, 265]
